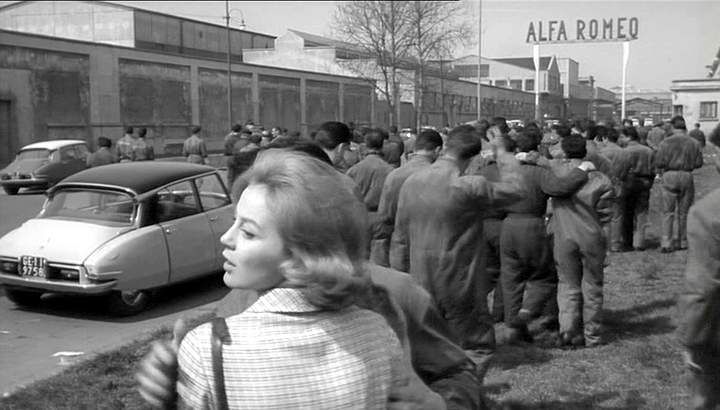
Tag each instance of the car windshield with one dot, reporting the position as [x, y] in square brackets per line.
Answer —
[95, 206]
[39, 153]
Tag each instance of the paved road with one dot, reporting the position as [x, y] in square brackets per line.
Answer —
[28, 338]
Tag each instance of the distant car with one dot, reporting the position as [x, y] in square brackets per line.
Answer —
[406, 132]
[121, 230]
[43, 164]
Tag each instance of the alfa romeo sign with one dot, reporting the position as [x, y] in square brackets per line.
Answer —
[558, 31]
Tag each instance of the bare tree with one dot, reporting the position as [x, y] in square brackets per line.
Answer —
[437, 27]
[380, 31]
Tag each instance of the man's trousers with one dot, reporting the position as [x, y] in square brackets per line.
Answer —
[678, 194]
[491, 251]
[580, 289]
[614, 229]
[636, 208]
[526, 267]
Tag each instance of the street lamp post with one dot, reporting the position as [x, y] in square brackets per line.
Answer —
[229, 51]
[442, 95]
[479, 73]
[229, 71]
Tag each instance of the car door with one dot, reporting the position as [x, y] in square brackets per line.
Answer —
[187, 232]
[82, 153]
[68, 164]
[218, 207]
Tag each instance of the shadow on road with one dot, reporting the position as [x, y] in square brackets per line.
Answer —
[166, 301]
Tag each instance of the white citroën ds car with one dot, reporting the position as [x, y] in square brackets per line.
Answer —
[121, 230]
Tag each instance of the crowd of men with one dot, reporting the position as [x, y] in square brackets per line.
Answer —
[535, 235]
[524, 215]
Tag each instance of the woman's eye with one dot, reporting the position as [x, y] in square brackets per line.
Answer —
[246, 234]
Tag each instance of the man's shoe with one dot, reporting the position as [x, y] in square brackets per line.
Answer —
[525, 316]
[568, 340]
[666, 250]
[594, 344]
[549, 323]
[516, 335]
[639, 249]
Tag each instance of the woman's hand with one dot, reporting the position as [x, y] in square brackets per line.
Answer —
[157, 376]
[415, 395]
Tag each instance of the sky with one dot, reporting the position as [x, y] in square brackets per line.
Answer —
[676, 38]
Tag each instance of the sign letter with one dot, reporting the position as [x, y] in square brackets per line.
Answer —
[531, 34]
[540, 33]
[607, 29]
[551, 29]
[621, 28]
[634, 27]
[562, 35]
[593, 30]
[580, 34]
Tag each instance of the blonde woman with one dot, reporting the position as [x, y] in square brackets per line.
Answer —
[298, 239]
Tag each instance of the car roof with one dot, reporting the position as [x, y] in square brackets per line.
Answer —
[53, 144]
[137, 177]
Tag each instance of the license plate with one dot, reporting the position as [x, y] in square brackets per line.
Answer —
[33, 266]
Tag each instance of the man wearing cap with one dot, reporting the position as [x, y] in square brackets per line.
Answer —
[699, 324]
[698, 135]
[656, 135]
[370, 173]
[194, 147]
[675, 160]
[529, 283]
[639, 181]
[393, 147]
[438, 233]
[427, 148]
[103, 155]
[126, 145]
[620, 161]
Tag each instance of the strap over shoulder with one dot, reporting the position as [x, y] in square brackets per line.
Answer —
[220, 334]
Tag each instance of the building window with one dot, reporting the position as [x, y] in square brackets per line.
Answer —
[529, 85]
[516, 84]
[500, 83]
[677, 110]
[708, 110]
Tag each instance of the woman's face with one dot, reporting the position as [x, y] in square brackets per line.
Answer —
[254, 249]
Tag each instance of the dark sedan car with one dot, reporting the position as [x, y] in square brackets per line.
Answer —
[43, 164]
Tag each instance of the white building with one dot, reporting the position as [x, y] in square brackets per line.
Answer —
[697, 99]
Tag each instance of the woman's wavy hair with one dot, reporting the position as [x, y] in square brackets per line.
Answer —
[322, 224]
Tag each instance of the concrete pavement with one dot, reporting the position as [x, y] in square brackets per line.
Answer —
[29, 338]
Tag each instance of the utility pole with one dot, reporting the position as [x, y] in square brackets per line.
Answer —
[479, 86]
[442, 95]
[229, 72]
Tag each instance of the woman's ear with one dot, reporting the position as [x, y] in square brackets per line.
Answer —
[291, 265]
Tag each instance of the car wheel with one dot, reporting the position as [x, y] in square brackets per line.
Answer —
[11, 190]
[23, 297]
[128, 302]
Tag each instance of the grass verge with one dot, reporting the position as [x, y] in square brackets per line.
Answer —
[106, 381]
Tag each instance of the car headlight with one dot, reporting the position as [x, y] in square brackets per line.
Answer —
[9, 266]
[91, 272]
[4, 176]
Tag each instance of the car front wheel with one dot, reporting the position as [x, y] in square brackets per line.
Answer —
[128, 302]
[11, 190]
[23, 297]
